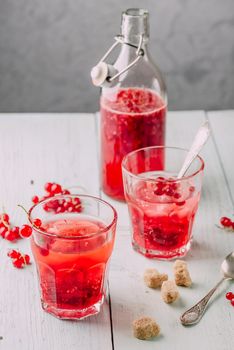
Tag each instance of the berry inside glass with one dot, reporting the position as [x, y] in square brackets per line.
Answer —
[161, 207]
[130, 119]
[72, 253]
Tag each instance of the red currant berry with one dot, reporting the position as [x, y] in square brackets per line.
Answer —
[76, 201]
[48, 186]
[232, 302]
[71, 209]
[66, 205]
[27, 259]
[160, 178]
[3, 231]
[15, 230]
[180, 204]
[78, 208]
[35, 199]
[66, 192]
[225, 222]
[173, 186]
[176, 195]
[159, 191]
[59, 210]
[161, 185]
[18, 262]
[37, 222]
[44, 251]
[14, 254]
[56, 189]
[5, 218]
[25, 231]
[169, 191]
[10, 236]
[46, 208]
[229, 296]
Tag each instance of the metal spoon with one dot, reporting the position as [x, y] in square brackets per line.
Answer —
[199, 141]
[195, 313]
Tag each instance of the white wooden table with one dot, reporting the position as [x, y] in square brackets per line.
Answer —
[37, 148]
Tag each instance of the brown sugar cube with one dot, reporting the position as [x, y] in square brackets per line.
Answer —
[169, 292]
[181, 273]
[145, 328]
[153, 278]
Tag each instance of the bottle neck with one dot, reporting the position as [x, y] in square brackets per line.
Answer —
[135, 22]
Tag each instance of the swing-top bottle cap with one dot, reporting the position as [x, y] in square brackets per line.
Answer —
[101, 72]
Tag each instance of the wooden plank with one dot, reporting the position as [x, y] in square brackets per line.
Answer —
[222, 125]
[131, 298]
[43, 148]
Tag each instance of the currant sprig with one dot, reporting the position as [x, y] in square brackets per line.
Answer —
[18, 259]
[226, 223]
[70, 205]
[7, 231]
[230, 297]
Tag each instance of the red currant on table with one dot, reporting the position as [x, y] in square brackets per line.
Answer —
[35, 199]
[27, 259]
[57, 205]
[66, 192]
[48, 186]
[3, 231]
[14, 254]
[232, 301]
[15, 230]
[56, 189]
[10, 236]
[229, 296]
[25, 231]
[19, 260]
[5, 218]
[225, 222]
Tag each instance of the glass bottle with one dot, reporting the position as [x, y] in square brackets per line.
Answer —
[132, 108]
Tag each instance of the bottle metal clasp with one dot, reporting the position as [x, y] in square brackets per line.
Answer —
[103, 73]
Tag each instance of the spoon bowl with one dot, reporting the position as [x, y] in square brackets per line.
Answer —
[227, 266]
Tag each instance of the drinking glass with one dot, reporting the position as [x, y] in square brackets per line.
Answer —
[162, 208]
[72, 251]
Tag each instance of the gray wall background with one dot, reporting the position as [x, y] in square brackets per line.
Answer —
[47, 48]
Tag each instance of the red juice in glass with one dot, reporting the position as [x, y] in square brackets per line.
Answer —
[164, 222]
[162, 208]
[72, 258]
[131, 119]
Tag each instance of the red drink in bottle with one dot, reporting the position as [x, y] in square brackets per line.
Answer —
[135, 118]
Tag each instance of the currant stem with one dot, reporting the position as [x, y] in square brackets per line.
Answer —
[19, 205]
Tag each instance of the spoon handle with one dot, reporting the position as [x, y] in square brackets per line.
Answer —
[199, 141]
[195, 313]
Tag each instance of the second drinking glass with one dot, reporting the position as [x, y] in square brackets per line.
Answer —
[162, 208]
